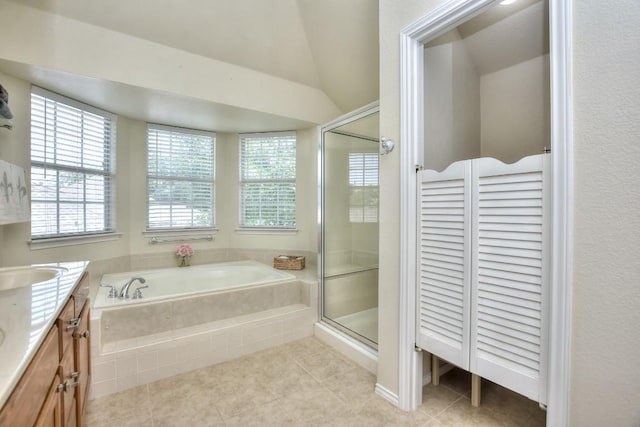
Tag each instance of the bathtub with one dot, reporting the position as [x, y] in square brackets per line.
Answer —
[193, 317]
[171, 283]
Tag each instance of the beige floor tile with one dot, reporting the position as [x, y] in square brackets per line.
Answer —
[128, 408]
[436, 399]
[314, 408]
[304, 383]
[378, 412]
[462, 414]
[292, 380]
[234, 401]
[194, 411]
[353, 387]
[325, 364]
[270, 414]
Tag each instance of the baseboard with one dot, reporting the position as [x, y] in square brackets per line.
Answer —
[387, 395]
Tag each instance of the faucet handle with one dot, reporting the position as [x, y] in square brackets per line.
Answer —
[113, 292]
[137, 294]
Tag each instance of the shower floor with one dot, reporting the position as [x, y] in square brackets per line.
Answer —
[363, 322]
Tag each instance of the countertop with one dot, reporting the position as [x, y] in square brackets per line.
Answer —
[26, 315]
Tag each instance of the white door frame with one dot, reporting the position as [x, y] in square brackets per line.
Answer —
[412, 40]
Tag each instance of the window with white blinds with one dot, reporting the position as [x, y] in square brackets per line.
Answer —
[180, 178]
[363, 186]
[72, 167]
[268, 180]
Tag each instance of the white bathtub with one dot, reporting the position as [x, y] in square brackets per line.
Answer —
[172, 283]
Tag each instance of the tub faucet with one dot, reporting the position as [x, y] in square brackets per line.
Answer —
[124, 292]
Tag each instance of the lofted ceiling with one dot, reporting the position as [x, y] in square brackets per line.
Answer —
[321, 48]
[503, 35]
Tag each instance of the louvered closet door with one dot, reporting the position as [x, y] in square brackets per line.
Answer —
[509, 274]
[443, 265]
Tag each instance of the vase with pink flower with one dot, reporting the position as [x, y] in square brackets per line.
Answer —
[184, 253]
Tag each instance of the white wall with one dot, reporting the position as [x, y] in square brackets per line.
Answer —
[131, 194]
[515, 110]
[394, 16]
[452, 103]
[605, 343]
[605, 375]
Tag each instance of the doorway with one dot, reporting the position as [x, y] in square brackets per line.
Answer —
[413, 41]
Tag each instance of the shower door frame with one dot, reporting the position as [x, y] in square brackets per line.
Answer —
[350, 117]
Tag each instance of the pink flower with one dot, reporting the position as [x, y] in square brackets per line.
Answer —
[184, 250]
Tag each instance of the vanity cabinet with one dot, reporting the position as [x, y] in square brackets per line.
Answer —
[54, 388]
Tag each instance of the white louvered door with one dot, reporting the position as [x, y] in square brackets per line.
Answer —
[444, 263]
[483, 269]
[509, 274]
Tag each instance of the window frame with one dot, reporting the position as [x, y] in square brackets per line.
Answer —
[180, 231]
[108, 173]
[242, 227]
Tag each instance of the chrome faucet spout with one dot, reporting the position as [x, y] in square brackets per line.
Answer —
[124, 292]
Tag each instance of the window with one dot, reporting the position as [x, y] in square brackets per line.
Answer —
[72, 167]
[363, 186]
[180, 178]
[268, 180]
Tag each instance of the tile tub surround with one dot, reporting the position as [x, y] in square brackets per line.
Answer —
[303, 382]
[132, 321]
[125, 363]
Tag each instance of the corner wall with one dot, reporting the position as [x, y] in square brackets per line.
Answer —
[605, 343]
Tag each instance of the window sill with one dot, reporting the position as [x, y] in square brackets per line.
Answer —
[57, 242]
[272, 231]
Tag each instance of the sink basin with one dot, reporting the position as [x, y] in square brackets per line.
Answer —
[17, 277]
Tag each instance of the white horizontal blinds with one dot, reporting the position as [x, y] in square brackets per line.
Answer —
[363, 186]
[180, 178]
[508, 331]
[443, 266]
[72, 168]
[268, 180]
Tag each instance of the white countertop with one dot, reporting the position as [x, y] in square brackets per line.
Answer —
[26, 315]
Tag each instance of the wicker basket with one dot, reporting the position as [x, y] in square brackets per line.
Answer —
[288, 262]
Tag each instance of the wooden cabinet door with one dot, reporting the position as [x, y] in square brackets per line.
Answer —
[51, 413]
[82, 350]
[24, 404]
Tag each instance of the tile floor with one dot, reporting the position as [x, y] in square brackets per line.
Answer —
[303, 383]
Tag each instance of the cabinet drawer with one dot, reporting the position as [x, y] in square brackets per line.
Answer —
[67, 324]
[30, 394]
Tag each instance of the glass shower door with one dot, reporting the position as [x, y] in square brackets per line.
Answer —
[349, 250]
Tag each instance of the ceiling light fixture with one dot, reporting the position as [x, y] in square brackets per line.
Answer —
[507, 2]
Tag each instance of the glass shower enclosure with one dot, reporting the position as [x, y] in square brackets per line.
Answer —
[348, 224]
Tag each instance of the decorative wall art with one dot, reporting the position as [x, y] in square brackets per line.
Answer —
[14, 198]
